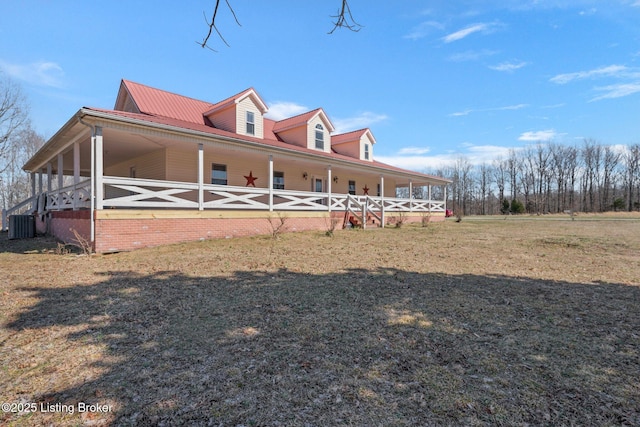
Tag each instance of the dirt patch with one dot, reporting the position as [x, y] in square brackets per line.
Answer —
[488, 322]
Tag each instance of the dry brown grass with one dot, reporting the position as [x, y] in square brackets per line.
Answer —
[495, 322]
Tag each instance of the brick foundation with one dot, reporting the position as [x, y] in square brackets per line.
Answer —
[61, 225]
[119, 232]
[125, 230]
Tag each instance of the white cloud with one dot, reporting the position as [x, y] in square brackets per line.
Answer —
[609, 71]
[423, 30]
[472, 55]
[484, 28]
[418, 163]
[508, 66]
[361, 121]
[617, 90]
[413, 151]
[474, 154]
[508, 107]
[282, 109]
[541, 135]
[43, 73]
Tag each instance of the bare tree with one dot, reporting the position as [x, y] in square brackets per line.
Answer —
[500, 176]
[14, 113]
[343, 19]
[632, 175]
[591, 159]
[610, 163]
[14, 183]
[484, 184]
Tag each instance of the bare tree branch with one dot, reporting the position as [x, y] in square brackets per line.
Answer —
[344, 19]
[212, 25]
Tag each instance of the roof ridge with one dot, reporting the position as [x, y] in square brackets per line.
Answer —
[299, 115]
[168, 92]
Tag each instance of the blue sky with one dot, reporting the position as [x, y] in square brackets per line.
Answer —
[434, 80]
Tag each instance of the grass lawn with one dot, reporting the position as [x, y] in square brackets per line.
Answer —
[523, 321]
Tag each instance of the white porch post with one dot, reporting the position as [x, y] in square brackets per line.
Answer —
[33, 184]
[200, 177]
[49, 177]
[429, 190]
[76, 173]
[99, 168]
[92, 196]
[40, 190]
[329, 187]
[60, 172]
[382, 201]
[270, 183]
[445, 198]
[410, 196]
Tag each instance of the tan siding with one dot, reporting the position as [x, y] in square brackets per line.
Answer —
[296, 136]
[225, 119]
[182, 165]
[149, 166]
[365, 140]
[350, 149]
[244, 106]
[311, 134]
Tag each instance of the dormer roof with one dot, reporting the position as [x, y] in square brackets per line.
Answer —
[236, 99]
[352, 136]
[302, 120]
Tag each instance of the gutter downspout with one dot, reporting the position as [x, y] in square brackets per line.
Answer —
[93, 180]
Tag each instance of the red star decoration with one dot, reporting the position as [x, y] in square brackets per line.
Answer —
[251, 180]
[366, 190]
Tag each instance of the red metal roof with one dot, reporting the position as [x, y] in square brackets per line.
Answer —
[232, 99]
[348, 136]
[166, 104]
[299, 120]
[266, 142]
[170, 109]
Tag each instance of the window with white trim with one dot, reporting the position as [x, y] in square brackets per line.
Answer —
[366, 151]
[319, 137]
[218, 174]
[352, 187]
[278, 180]
[251, 123]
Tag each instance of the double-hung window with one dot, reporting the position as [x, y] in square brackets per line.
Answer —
[218, 174]
[251, 123]
[366, 151]
[319, 137]
[278, 180]
[352, 187]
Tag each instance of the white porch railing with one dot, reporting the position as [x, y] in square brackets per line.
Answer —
[148, 193]
[74, 196]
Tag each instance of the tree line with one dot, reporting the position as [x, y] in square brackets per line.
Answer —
[548, 178]
[18, 142]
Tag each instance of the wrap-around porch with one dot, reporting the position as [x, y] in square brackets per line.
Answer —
[73, 179]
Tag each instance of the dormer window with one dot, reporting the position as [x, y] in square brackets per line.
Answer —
[319, 137]
[251, 123]
[366, 151]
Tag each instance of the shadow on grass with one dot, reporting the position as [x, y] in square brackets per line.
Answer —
[381, 347]
[35, 245]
